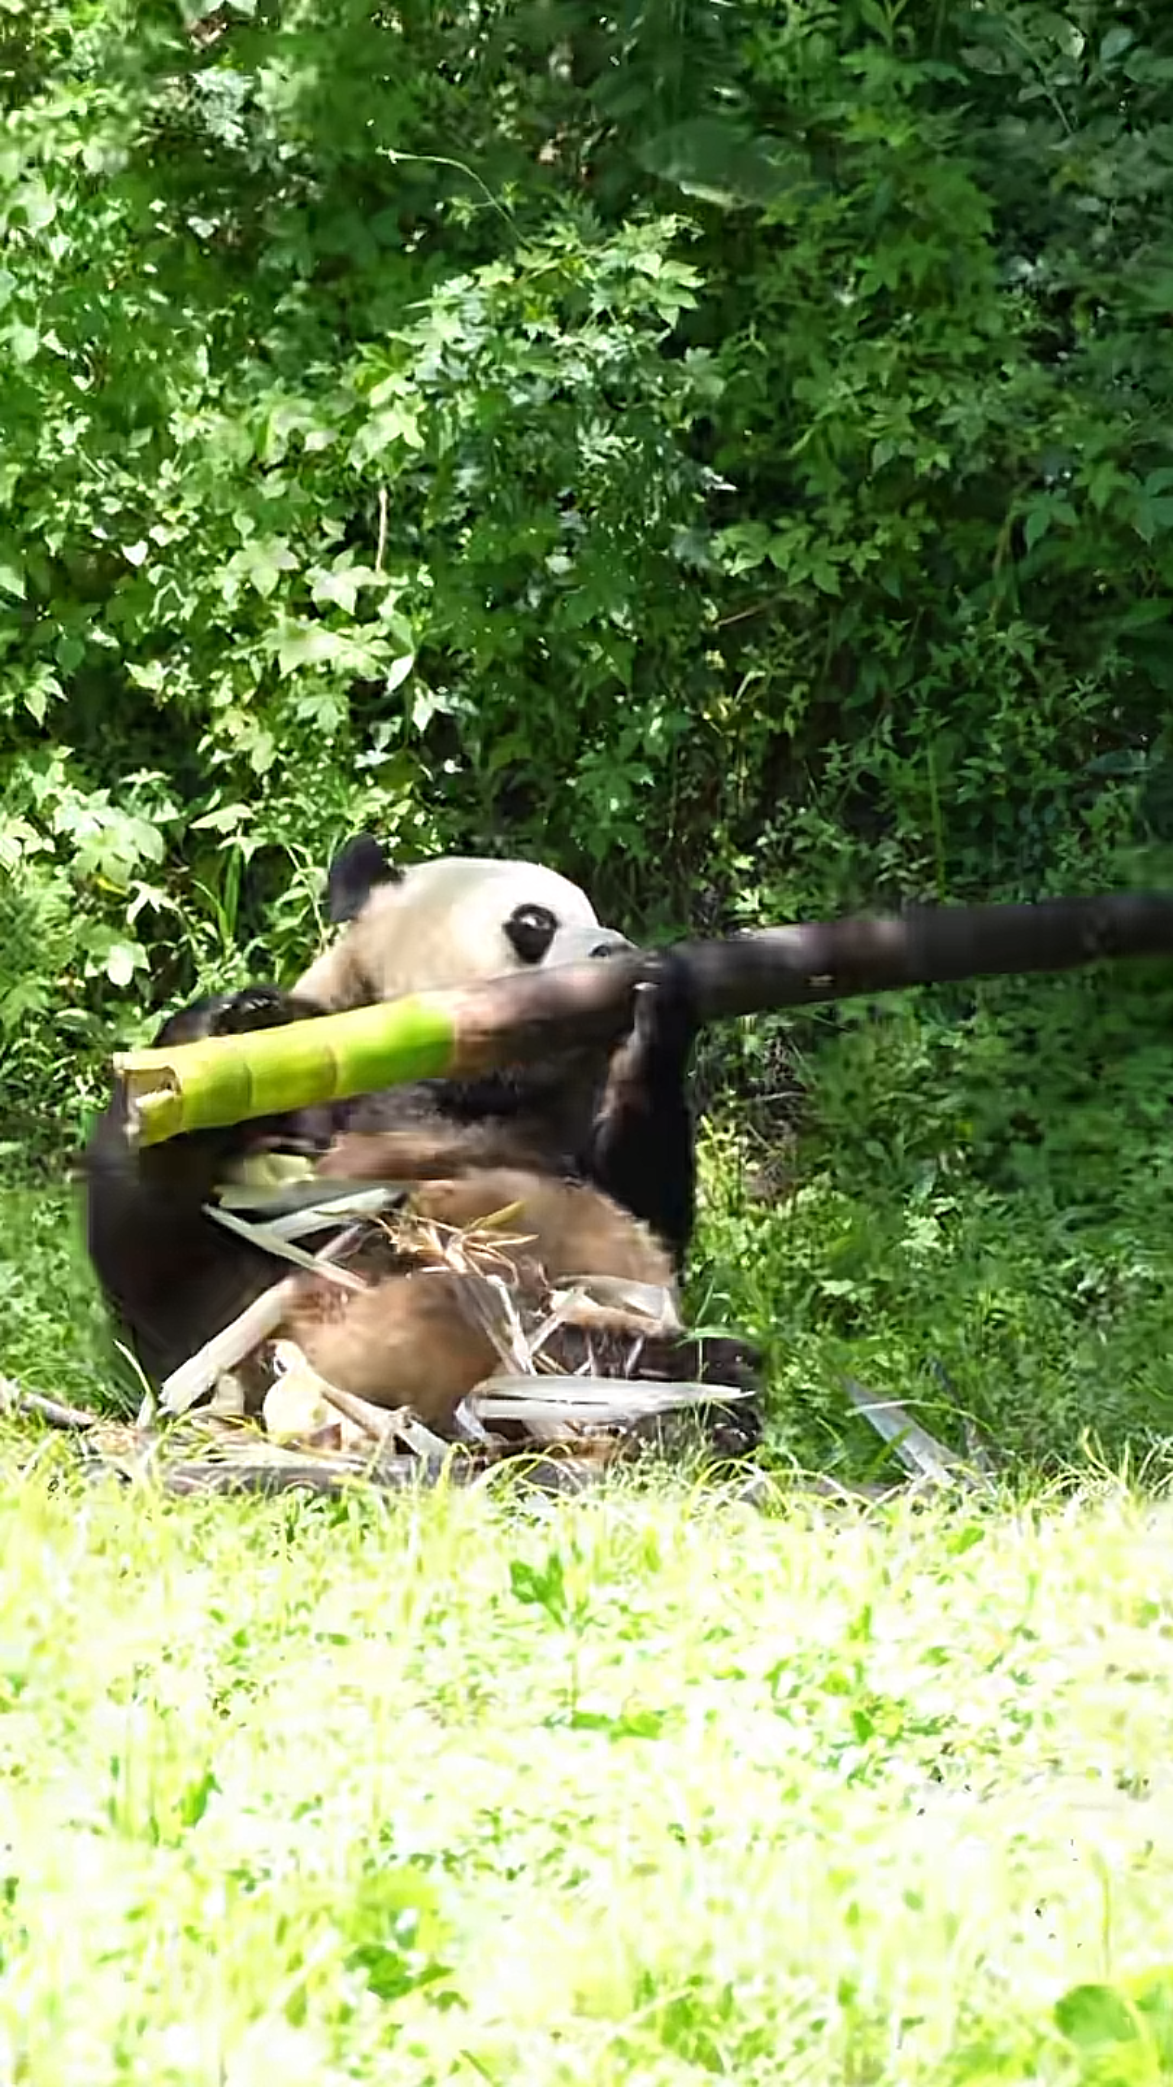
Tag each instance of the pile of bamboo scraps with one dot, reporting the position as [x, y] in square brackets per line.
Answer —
[565, 1387]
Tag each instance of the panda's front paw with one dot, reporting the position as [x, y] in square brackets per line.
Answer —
[257, 1007]
[666, 1016]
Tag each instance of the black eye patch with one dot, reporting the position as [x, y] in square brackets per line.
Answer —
[531, 929]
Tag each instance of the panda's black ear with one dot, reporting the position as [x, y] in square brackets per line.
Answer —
[359, 865]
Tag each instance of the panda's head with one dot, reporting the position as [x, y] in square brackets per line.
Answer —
[456, 921]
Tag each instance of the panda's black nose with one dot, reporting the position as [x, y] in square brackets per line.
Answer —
[611, 946]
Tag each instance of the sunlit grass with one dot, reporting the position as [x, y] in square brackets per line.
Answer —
[644, 1788]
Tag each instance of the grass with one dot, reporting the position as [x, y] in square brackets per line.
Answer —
[648, 1788]
[653, 1786]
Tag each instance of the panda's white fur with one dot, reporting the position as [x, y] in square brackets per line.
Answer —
[445, 924]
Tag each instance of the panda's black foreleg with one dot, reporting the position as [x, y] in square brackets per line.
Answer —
[169, 1275]
[642, 1149]
[234, 1013]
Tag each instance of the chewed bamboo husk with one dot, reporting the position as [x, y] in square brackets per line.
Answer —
[575, 1390]
[576, 1387]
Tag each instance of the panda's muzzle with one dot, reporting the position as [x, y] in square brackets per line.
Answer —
[610, 944]
[587, 944]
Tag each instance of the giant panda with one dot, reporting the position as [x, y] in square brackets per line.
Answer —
[591, 1151]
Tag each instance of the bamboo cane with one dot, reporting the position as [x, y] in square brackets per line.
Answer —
[512, 1020]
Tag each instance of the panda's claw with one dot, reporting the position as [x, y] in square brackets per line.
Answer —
[665, 1016]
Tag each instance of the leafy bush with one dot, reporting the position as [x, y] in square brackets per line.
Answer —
[847, 471]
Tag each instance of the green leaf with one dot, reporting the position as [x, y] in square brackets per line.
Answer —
[340, 584]
[628, 1724]
[718, 159]
[69, 651]
[1153, 518]
[195, 1796]
[35, 204]
[383, 431]
[24, 341]
[1151, 1993]
[123, 959]
[542, 1587]
[262, 562]
[1093, 2017]
[1159, 609]
[1115, 42]
[745, 546]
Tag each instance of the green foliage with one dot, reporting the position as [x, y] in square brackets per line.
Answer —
[54, 1330]
[305, 520]
[945, 416]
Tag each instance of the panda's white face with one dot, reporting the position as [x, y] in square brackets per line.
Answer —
[458, 921]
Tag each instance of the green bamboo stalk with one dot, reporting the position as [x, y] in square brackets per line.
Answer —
[512, 1020]
[220, 1080]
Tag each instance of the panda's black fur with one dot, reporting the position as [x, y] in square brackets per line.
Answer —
[619, 1123]
[171, 1276]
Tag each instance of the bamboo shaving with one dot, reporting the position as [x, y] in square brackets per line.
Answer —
[282, 1248]
[238, 1339]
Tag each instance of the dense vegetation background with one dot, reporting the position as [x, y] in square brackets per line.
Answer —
[734, 441]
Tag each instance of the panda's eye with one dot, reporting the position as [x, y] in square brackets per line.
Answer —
[531, 929]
